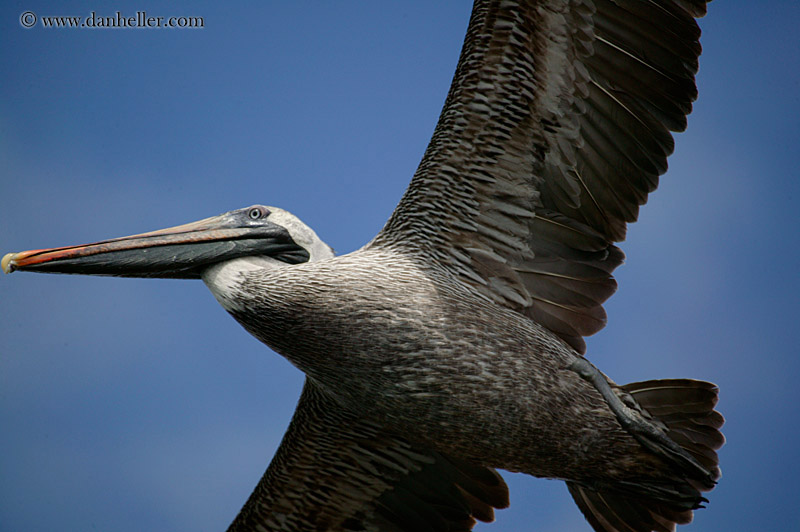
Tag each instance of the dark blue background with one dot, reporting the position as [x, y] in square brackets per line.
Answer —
[132, 405]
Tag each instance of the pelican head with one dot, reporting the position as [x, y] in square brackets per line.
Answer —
[185, 251]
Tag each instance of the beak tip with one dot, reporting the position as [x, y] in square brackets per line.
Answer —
[7, 263]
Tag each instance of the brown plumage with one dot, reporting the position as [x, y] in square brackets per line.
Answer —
[452, 343]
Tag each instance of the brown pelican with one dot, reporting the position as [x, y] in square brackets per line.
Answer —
[452, 343]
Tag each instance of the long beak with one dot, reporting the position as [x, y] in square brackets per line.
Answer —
[177, 252]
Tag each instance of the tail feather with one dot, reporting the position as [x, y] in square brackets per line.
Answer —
[685, 410]
[608, 511]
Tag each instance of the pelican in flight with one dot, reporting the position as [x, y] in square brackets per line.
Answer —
[451, 345]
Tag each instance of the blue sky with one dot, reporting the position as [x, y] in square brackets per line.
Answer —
[132, 405]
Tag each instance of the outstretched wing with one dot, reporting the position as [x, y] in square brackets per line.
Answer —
[336, 472]
[556, 128]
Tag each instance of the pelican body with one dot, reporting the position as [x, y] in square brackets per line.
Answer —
[451, 344]
[412, 344]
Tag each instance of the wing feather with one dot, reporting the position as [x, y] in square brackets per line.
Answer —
[555, 130]
[336, 472]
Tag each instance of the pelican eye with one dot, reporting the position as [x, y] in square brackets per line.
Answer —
[255, 213]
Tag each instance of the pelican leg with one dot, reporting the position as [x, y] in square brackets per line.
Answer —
[646, 433]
